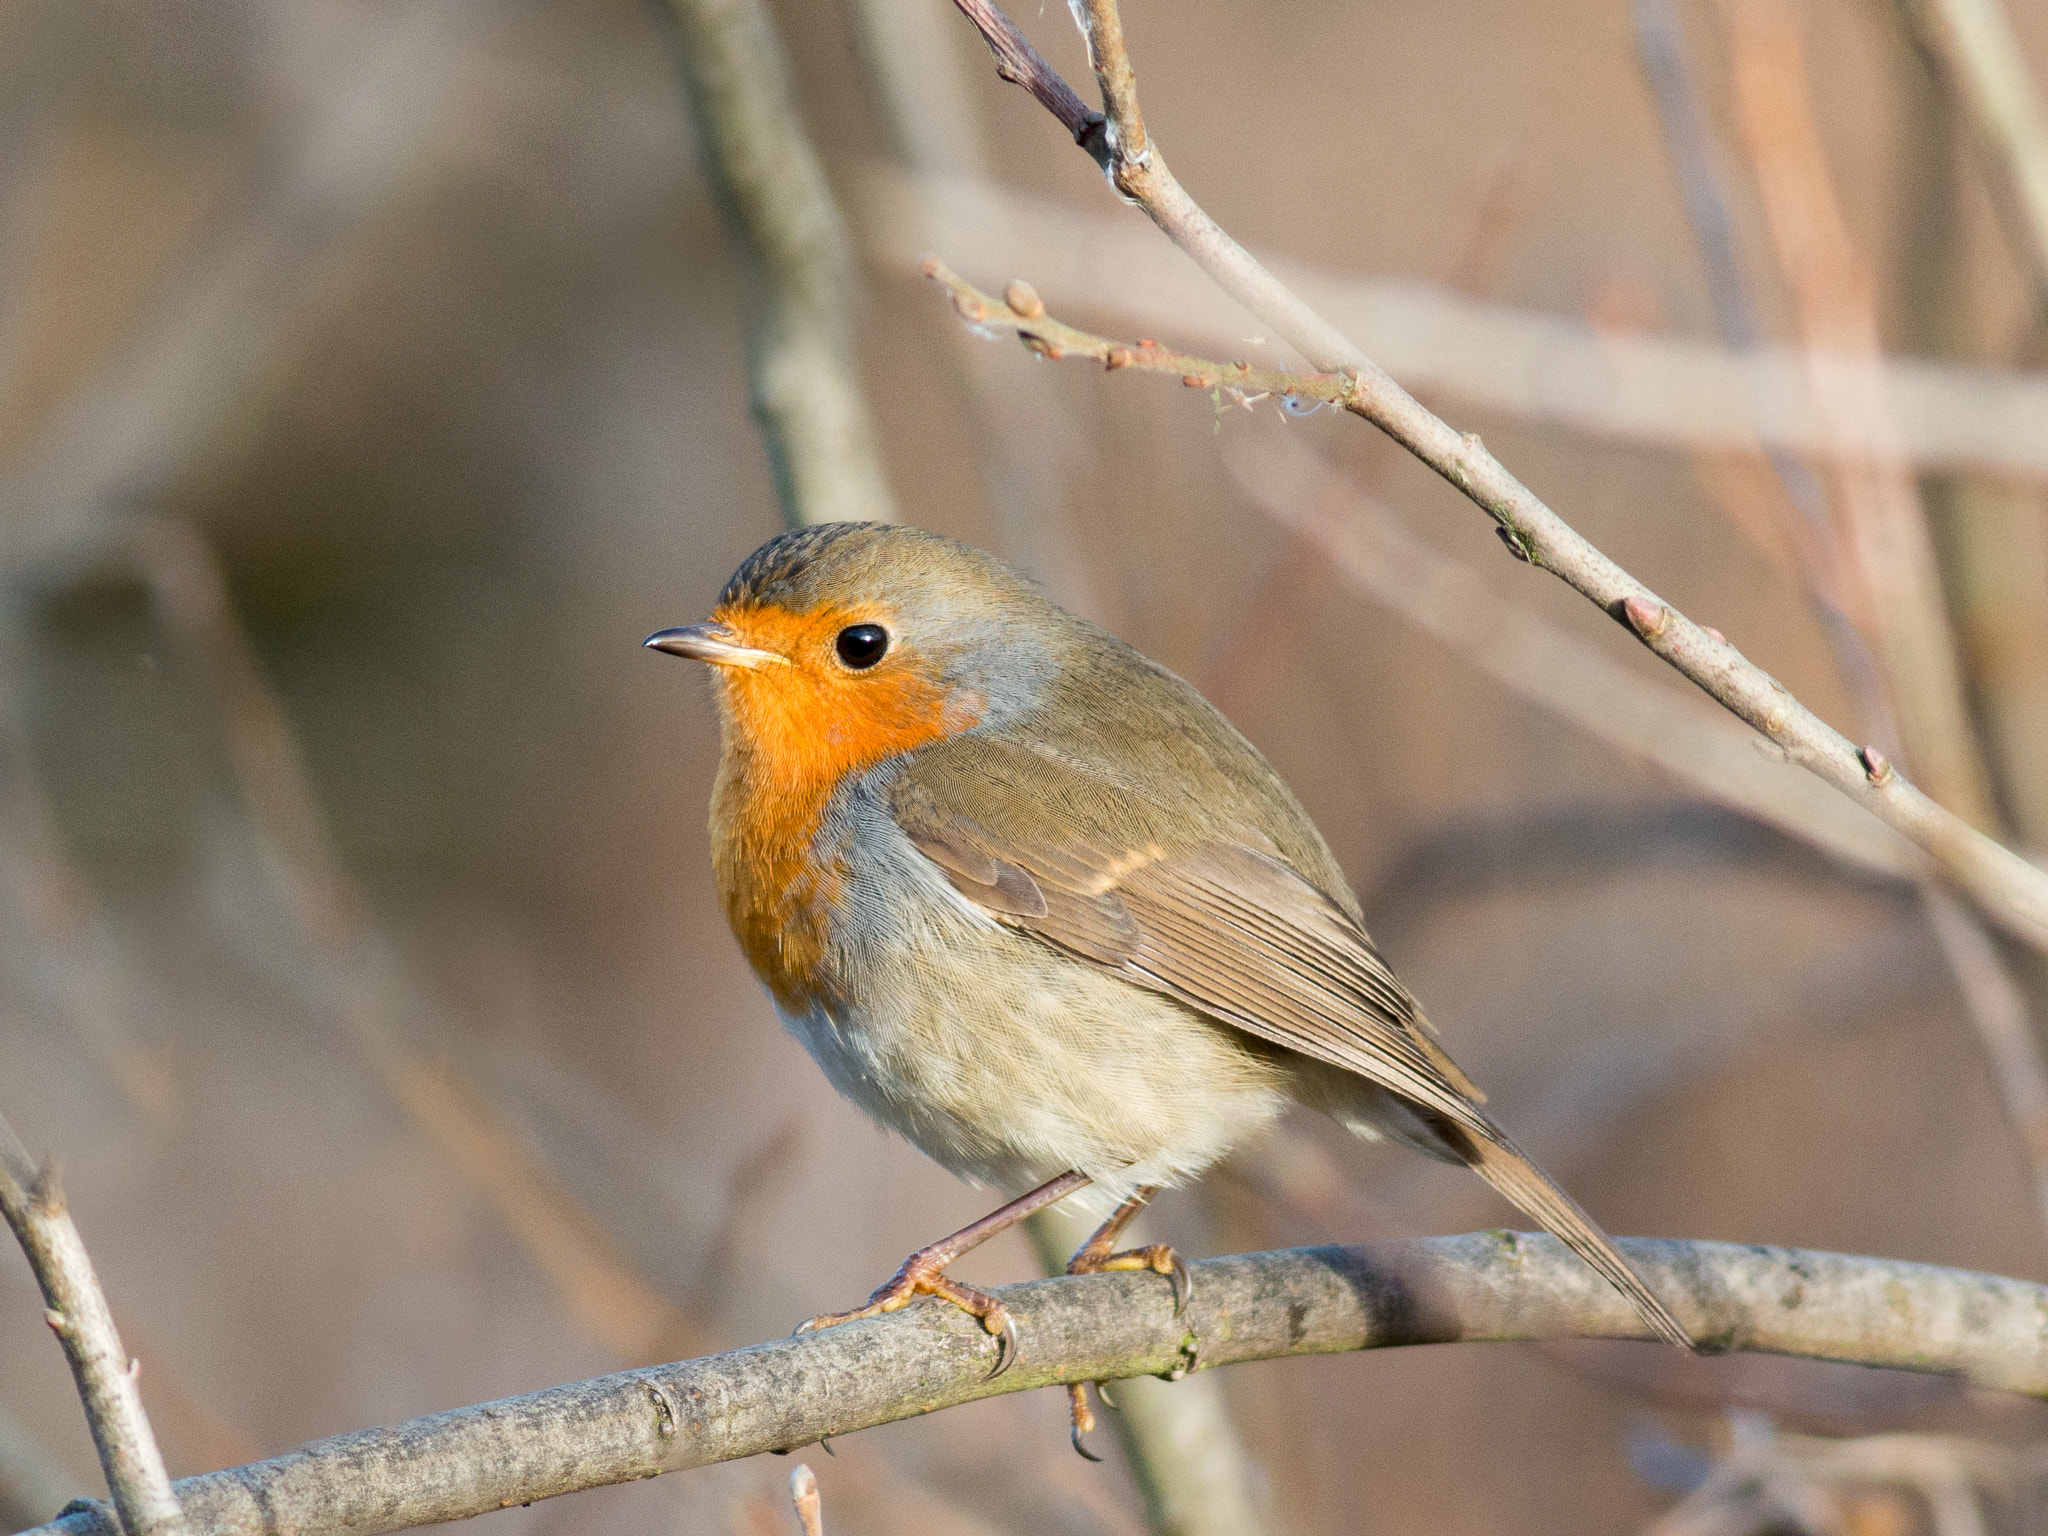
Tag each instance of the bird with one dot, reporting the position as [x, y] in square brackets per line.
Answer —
[1032, 902]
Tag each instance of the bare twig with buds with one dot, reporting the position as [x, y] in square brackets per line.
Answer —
[77, 1313]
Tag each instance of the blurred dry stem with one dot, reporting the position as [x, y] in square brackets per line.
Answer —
[33, 1204]
[779, 210]
[1570, 677]
[1889, 575]
[1979, 59]
[1882, 527]
[2011, 891]
[339, 155]
[1767, 1481]
[794, 1392]
[1534, 366]
[803, 1494]
[72, 955]
[606, 1294]
[1027, 446]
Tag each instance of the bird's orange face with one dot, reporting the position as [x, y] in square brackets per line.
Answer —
[808, 717]
[808, 698]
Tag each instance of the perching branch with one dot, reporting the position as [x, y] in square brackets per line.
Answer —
[77, 1313]
[2011, 891]
[779, 211]
[793, 1392]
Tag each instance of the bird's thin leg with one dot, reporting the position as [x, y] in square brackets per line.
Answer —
[923, 1273]
[1097, 1255]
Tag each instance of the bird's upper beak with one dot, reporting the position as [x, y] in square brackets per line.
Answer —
[713, 643]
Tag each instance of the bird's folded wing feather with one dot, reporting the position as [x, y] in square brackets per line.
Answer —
[1146, 890]
[1228, 928]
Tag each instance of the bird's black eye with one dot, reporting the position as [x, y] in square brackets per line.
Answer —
[860, 646]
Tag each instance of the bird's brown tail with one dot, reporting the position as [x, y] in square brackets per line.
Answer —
[1502, 1165]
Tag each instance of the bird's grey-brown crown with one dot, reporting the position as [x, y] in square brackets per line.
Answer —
[855, 562]
[770, 573]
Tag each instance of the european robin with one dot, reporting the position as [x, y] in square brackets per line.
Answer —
[1033, 903]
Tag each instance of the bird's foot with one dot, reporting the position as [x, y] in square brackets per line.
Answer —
[923, 1274]
[1160, 1258]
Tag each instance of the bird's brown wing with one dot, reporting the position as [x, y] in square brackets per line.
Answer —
[1144, 889]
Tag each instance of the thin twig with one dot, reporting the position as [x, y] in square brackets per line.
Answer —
[77, 1313]
[1560, 672]
[1021, 64]
[1536, 366]
[779, 211]
[793, 1392]
[2010, 890]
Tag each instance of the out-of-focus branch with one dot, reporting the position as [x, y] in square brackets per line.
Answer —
[1028, 446]
[1559, 672]
[607, 1295]
[77, 1313]
[1882, 523]
[169, 387]
[68, 952]
[793, 1392]
[779, 211]
[1660, 44]
[1883, 527]
[2011, 891]
[803, 1496]
[1998, 1009]
[1980, 61]
[1672, 391]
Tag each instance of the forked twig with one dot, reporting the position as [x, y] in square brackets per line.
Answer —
[2011, 891]
[77, 1313]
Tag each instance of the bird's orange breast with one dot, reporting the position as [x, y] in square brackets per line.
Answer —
[793, 735]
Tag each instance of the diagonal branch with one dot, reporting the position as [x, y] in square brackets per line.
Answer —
[77, 1313]
[2012, 892]
[793, 1392]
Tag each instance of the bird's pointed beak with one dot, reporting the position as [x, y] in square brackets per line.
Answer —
[713, 643]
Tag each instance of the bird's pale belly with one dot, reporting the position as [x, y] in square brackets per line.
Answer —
[1008, 1063]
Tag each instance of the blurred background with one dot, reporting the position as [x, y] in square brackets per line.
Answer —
[373, 376]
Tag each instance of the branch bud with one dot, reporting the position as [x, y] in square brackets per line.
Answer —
[1023, 299]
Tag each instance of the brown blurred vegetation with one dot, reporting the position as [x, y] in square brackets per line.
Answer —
[410, 323]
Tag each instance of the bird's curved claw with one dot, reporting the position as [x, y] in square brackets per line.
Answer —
[1082, 1417]
[1183, 1285]
[1081, 1446]
[1008, 1344]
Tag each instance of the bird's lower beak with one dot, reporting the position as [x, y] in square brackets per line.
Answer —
[713, 643]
